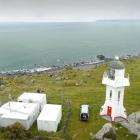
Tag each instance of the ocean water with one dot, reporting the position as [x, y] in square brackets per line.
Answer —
[24, 44]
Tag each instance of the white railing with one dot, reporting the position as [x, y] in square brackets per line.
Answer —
[107, 75]
[127, 75]
[115, 81]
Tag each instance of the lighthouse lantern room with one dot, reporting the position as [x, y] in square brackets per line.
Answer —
[115, 80]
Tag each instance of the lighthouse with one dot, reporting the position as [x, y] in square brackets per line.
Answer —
[115, 80]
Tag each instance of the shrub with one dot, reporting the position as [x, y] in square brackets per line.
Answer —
[68, 68]
[16, 132]
[69, 82]
[1, 81]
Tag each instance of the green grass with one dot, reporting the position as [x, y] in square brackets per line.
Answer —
[90, 91]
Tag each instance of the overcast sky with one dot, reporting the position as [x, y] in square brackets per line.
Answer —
[68, 10]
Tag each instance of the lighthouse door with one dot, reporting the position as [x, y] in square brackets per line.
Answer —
[109, 110]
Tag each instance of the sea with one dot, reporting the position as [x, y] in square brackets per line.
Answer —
[27, 44]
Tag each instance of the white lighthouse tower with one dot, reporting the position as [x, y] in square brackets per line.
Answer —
[115, 81]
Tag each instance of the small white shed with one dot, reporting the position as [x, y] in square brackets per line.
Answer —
[27, 97]
[24, 113]
[49, 118]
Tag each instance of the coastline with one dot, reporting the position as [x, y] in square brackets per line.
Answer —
[83, 65]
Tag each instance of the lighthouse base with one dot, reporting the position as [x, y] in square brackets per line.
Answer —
[116, 119]
[113, 115]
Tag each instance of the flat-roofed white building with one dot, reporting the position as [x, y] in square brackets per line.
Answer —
[28, 97]
[49, 118]
[24, 113]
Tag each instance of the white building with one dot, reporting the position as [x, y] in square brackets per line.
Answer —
[24, 113]
[115, 81]
[39, 98]
[49, 118]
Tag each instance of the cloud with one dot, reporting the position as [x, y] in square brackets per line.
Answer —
[68, 10]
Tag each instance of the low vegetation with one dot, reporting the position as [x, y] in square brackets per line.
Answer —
[79, 87]
[15, 132]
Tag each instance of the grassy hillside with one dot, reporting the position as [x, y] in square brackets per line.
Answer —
[88, 90]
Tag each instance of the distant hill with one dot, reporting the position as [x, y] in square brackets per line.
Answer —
[119, 20]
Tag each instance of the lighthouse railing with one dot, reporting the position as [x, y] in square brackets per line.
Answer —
[127, 75]
[124, 81]
[107, 74]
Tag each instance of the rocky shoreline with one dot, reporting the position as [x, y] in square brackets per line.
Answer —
[99, 60]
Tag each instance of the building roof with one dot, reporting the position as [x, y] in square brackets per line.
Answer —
[116, 64]
[31, 96]
[17, 110]
[50, 112]
[84, 108]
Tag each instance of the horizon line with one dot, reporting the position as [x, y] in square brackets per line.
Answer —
[59, 21]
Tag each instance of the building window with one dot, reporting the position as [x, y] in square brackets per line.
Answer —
[119, 94]
[110, 94]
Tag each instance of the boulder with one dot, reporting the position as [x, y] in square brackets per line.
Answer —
[50, 75]
[86, 75]
[138, 137]
[2, 87]
[0, 102]
[133, 124]
[59, 78]
[76, 84]
[106, 133]
[31, 81]
[101, 57]
[66, 78]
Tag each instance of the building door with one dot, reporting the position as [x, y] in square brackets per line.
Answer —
[109, 110]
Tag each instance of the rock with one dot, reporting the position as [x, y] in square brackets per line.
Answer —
[116, 129]
[76, 84]
[126, 135]
[8, 89]
[134, 117]
[91, 136]
[0, 102]
[86, 75]
[68, 67]
[59, 78]
[66, 78]
[50, 75]
[2, 87]
[101, 57]
[32, 81]
[138, 137]
[107, 132]
[36, 138]
[133, 124]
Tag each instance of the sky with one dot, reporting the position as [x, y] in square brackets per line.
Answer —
[68, 10]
